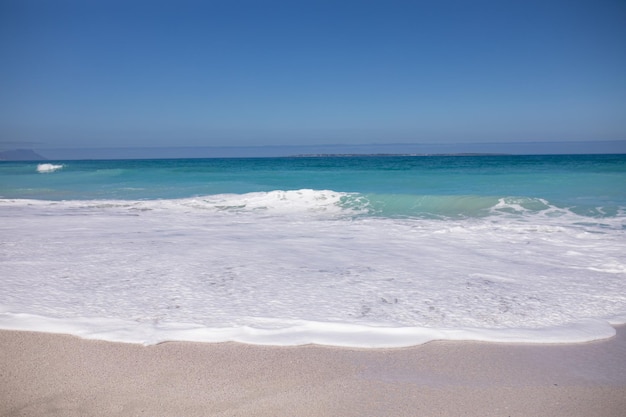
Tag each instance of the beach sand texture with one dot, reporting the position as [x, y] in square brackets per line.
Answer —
[58, 375]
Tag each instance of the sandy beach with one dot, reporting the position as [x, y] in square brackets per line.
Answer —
[60, 375]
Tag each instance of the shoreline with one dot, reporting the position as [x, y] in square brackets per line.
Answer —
[348, 335]
[62, 375]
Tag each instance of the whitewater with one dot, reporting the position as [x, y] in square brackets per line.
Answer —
[359, 252]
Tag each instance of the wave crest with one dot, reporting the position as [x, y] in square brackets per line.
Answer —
[277, 202]
[46, 168]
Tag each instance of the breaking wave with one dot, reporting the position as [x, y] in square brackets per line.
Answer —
[47, 168]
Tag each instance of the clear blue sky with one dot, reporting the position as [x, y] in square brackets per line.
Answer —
[110, 73]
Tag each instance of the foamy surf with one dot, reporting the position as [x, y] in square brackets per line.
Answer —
[297, 333]
[363, 251]
[303, 266]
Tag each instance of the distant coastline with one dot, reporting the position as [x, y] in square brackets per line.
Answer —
[21, 155]
[374, 155]
[327, 150]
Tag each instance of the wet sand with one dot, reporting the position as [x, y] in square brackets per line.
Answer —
[58, 375]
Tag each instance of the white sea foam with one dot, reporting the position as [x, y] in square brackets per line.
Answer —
[299, 267]
[299, 332]
[46, 168]
[273, 202]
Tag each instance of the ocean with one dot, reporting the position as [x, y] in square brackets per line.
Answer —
[359, 251]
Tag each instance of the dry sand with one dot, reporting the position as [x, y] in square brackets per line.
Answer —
[58, 375]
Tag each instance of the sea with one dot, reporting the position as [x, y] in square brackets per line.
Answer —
[358, 251]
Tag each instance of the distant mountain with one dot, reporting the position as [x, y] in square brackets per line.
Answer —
[20, 155]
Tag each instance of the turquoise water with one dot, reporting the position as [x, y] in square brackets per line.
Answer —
[593, 185]
[349, 251]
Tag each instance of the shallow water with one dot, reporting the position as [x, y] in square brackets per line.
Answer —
[359, 251]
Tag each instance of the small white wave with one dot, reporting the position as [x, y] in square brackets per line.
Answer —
[45, 168]
[524, 205]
